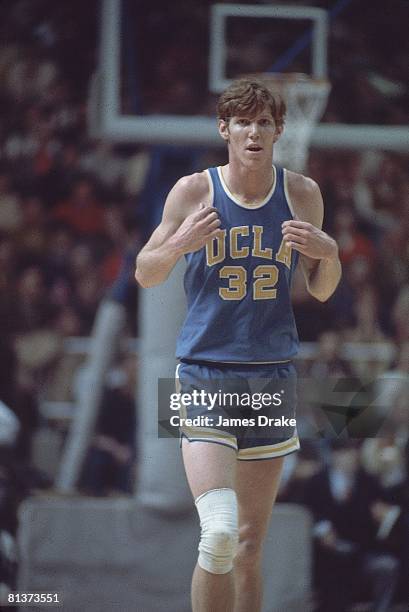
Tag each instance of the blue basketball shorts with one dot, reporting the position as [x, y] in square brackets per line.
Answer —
[250, 408]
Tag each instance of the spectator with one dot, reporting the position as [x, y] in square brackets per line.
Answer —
[400, 315]
[367, 323]
[328, 360]
[347, 552]
[57, 255]
[32, 236]
[351, 242]
[10, 205]
[88, 293]
[9, 426]
[102, 161]
[82, 212]
[110, 464]
[33, 310]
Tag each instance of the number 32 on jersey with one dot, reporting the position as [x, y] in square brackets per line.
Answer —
[264, 277]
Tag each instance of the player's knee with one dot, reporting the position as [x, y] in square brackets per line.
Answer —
[217, 549]
[219, 539]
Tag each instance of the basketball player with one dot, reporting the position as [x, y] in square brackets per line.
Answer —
[242, 228]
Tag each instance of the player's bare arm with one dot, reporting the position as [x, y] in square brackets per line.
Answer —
[188, 222]
[319, 252]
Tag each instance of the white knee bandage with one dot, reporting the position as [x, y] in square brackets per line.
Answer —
[219, 540]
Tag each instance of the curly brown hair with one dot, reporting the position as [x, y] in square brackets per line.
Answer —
[249, 97]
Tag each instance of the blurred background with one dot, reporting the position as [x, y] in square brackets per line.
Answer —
[77, 204]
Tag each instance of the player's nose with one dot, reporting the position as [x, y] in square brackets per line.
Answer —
[254, 129]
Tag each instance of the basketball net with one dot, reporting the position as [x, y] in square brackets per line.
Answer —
[306, 99]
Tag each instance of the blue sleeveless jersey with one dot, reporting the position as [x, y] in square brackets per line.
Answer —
[238, 286]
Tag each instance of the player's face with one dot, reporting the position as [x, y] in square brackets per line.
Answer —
[251, 138]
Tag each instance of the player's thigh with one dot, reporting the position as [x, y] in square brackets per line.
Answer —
[208, 466]
[256, 486]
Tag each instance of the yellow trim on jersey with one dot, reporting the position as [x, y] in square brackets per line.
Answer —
[287, 193]
[211, 186]
[242, 204]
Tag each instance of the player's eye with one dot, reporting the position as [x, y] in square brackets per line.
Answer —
[242, 121]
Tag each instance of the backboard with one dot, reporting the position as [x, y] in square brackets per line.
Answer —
[133, 55]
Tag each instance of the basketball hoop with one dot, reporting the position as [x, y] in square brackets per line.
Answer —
[306, 99]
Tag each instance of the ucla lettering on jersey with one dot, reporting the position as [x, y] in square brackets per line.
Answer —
[238, 286]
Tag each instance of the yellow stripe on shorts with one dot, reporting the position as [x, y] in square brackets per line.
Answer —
[270, 450]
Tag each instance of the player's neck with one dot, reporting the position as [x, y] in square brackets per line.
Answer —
[249, 184]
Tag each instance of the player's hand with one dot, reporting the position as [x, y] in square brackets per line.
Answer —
[197, 229]
[309, 240]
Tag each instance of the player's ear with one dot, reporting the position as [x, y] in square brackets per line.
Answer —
[279, 130]
[224, 129]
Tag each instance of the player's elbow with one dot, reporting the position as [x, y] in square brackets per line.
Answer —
[146, 280]
[141, 277]
[320, 295]
[142, 280]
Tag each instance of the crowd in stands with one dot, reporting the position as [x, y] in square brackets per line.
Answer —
[357, 495]
[67, 203]
[70, 208]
